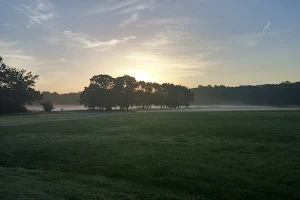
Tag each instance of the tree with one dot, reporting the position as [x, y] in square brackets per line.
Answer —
[99, 94]
[140, 98]
[16, 89]
[124, 88]
[105, 92]
[47, 106]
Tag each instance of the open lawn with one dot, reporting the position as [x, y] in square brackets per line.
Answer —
[174, 155]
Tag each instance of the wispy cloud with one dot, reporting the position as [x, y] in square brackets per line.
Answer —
[180, 65]
[252, 40]
[133, 17]
[43, 5]
[18, 57]
[163, 38]
[89, 42]
[170, 23]
[131, 7]
[6, 24]
[4, 44]
[136, 9]
[149, 5]
[111, 7]
[289, 30]
[38, 13]
[13, 55]
[61, 60]
[53, 38]
[159, 40]
[266, 28]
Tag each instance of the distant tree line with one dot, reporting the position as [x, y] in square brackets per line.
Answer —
[283, 94]
[61, 99]
[16, 89]
[106, 92]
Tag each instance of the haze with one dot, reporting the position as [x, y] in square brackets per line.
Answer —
[192, 42]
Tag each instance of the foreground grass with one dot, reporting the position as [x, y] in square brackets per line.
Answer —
[213, 155]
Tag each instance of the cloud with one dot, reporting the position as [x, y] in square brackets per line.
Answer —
[14, 56]
[252, 40]
[174, 51]
[149, 5]
[18, 57]
[163, 38]
[135, 11]
[131, 7]
[11, 50]
[88, 42]
[53, 38]
[282, 31]
[43, 5]
[38, 13]
[6, 24]
[61, 60]
[160, 39]
[4, 44]
[133, 17]
[175, 23]
[111, 7]
[180, 65]
[127, 38]
[266, 28]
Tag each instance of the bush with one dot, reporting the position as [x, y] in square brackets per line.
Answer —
[47, 106]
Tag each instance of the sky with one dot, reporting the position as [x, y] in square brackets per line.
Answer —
[187, 42]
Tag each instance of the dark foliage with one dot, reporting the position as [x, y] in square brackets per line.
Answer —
[105, 92]
[283, 94]
[16, 89]
[62, 99]
[47, 106]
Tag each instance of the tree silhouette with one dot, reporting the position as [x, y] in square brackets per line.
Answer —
[105, 92]
[16, 89]
[47, 106]
[283, 94]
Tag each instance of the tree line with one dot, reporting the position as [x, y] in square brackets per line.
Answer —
[283, 94]
[106, 92]
[62, 99]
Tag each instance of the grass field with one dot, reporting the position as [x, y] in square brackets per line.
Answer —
[199, 155]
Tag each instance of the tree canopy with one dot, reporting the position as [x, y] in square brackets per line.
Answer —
[16, 89]
[106, 92]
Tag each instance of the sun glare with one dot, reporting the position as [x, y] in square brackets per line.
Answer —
[141, 75]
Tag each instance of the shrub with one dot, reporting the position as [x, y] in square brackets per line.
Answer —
[47, 106]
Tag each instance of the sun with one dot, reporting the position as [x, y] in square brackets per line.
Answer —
[141, 75]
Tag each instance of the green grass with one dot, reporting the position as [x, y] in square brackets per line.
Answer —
[197, 155]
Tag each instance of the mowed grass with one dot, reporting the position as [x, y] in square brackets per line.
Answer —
[197, 155]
